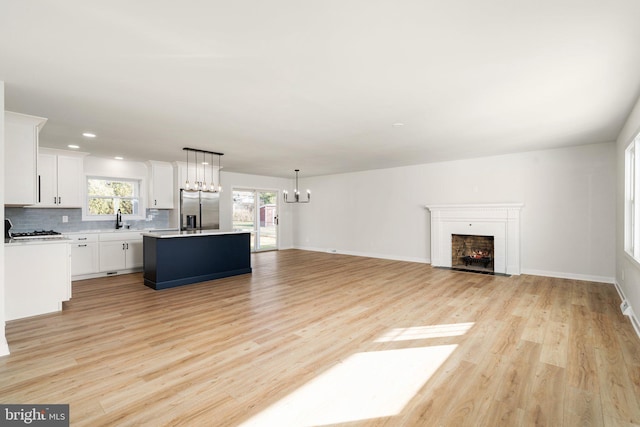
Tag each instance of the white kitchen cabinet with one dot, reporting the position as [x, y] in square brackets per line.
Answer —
[29, 290]
[84, 254]
[120, 251]
[60, 179]
[21, 158]
[160, 185]
[134, 258]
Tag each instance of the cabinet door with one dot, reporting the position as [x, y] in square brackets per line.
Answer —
[47, 191]
[20, 158]
[161, 189]
[134, 254]
[84, 258]
[112, 256]
[70, 181]
[33, 291]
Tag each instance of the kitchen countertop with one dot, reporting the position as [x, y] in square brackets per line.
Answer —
[167, 234]
[23, 242]
[120, 230]
[64, 239]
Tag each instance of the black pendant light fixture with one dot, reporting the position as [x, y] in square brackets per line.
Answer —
[201, 185]
[296, 193]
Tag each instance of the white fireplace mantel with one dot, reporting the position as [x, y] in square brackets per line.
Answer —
[500, 220]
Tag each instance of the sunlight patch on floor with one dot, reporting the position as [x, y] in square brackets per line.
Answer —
[425, 332]
[364, 386]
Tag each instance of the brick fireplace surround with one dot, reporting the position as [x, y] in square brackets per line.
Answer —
[502, 221]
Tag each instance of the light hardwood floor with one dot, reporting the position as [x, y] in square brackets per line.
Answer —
[321, 339]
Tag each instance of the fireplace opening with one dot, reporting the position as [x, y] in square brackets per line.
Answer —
[472, 253]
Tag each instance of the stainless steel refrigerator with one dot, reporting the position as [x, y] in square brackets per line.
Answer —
[199, 210]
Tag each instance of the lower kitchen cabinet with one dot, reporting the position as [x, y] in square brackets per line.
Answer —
[29, 290]
[120, 251]
[84, 254]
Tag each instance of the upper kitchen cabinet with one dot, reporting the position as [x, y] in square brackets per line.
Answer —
[21, 158]
[60, 176]
[160, 185]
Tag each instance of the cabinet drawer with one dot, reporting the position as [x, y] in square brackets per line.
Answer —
[83, 237]
[120, 236]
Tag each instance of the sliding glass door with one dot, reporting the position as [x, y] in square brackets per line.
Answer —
[257, 211]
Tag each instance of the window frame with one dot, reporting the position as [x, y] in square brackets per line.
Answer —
[139, 186]
[631, 198]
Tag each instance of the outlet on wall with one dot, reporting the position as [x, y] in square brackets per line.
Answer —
[65, 218]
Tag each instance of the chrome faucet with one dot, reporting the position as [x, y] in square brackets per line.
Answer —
[118, 219]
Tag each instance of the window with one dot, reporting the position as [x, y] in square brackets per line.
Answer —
[632, 194]
[257, 211]
[106, 195]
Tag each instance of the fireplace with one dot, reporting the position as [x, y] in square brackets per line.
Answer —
[500, 220]
[472, 253]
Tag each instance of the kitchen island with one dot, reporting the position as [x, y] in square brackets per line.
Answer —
[176, 258]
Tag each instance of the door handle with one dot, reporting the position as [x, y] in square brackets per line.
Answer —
[82, 246]
[127, 246]
[123, 246]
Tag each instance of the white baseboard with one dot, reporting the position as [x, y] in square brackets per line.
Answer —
[631, 313]
[573, 276]
[560, 275]
[4, 346]
[366, 254]
[105, 274]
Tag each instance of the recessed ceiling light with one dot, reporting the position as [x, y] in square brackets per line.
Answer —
[89, 134]
[118, 158]
[73, 146]
[398, 124]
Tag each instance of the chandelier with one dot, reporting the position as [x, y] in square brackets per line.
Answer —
[296, 193]
[200, 176]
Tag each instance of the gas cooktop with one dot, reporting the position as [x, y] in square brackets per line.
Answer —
[37, 234]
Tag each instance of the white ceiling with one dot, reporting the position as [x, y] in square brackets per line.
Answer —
[317, 85]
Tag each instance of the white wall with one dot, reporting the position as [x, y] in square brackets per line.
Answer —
[232, 181]
[627, 269]
[568, 221]
[97, 166]
[4, 347]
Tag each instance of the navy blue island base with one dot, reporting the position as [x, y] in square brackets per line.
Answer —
[180, 258]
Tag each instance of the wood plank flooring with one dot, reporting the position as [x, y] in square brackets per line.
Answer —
[324, 339]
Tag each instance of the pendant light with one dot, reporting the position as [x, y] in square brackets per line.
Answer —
[219, 189]
[201, 185]
[296, 193]
[211, 186]
[204, 173]
[187, 186]
[198, 183]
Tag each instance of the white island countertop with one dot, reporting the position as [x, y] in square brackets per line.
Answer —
[189, 233]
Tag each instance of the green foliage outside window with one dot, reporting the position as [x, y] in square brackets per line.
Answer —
[106, 196]
[267, 198]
